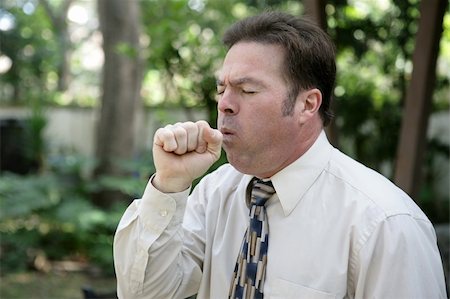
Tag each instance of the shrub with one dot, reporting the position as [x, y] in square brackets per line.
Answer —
[51, 213]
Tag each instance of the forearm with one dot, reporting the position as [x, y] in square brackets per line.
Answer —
[152, 257]
[148, 246]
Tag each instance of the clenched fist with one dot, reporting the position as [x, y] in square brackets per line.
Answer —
[183, 152]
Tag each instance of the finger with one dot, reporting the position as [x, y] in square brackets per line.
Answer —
[192, 135]
[210, 139]
[165, 138]
[180, 135]
[201, 142]
[213, 139]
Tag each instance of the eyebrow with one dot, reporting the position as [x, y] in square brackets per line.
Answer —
[241, 81]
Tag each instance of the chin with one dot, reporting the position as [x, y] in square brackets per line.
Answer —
[236, 161]
[243, 166]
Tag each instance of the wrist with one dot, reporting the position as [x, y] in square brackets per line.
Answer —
[170, 185]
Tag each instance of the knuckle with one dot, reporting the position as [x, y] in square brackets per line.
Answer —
[189, 126]
[159, 133]
[202, 123]
[164, 133]
[189, 123]
[179, 132]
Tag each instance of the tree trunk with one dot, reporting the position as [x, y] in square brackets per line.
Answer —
[64, 75]
[419, 96]
[119, 23]
[315, 9]
[58, 18]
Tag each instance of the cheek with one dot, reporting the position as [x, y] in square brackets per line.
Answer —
[264, 121]
[266, 128]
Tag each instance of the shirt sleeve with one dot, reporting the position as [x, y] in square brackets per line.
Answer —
[149, 258]
[400, 259]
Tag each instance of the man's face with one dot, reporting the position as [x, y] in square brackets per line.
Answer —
[258, 139]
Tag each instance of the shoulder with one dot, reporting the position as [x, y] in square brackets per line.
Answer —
[375, 207]
[371, 188]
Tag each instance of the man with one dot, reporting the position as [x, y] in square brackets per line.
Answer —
[332, 229]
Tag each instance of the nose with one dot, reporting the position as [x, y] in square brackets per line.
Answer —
[227, 103]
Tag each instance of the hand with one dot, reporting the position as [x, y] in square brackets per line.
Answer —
[183, 152]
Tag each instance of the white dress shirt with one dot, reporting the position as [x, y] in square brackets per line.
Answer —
[336, 230]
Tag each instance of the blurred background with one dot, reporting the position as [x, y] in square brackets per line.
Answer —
[84, 84]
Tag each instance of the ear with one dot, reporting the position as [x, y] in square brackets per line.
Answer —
[311, 100]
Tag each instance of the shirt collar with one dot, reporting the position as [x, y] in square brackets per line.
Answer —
[292, 182]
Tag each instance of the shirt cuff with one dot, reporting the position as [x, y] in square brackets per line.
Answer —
[158, 209]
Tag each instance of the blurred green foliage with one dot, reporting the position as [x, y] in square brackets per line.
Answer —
[51, 212]
[30, 45]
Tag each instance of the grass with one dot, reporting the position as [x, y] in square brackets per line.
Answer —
[54, 285]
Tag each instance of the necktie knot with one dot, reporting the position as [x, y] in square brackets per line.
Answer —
[261, 192]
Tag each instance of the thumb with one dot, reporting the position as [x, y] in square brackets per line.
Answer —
[210, 140]
[213, 139]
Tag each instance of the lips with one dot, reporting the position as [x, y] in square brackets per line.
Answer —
[226, 131]
[228, 136]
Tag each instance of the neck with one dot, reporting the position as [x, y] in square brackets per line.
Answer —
[305, 139]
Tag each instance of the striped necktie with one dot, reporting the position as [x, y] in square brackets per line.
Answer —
[250, 269]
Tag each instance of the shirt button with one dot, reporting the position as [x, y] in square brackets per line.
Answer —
[163, 213]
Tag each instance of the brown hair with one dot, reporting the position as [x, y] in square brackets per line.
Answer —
[309, 53]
